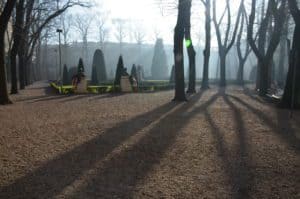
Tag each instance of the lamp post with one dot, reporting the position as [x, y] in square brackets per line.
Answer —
[59, 47]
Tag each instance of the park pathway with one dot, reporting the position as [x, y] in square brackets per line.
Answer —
[220, 144]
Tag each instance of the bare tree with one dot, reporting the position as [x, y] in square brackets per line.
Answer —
[243, 47]
[228, 38]
[139, 35]
[82, 23]
[102, 28]
[120, 33]
[275, 15]
[156, 34]
[66, 25]
[38, 16]
[291, 94]
[206, 52]
[178, 52]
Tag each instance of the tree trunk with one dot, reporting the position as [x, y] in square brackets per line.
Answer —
[178, 54]
[240, 74]
[4, 99]
[26, 72]
[192, 70]
[17, 36]
[38, 65]
[13, 65]
[4, 18]
[206, 52]
[21, 69]
[261, 48]
[222, 69]
[282, 61]
[264, 78]
[190, 48]
[291, 96]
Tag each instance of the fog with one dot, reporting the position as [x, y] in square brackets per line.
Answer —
[131, 29]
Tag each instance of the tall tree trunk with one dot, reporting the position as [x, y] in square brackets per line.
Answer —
[178, 54]
[190, 48]
[37, 65]
[264, 77]
[242, 58]
[17, 36]
[291, 96]
[240, 74]
[4, 99]
[21, 66]
[261, 48]
[4, 19]
[206, 52]
[13, 65]
[26, 72]
[222, 69]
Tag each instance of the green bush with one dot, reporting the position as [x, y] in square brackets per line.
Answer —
[133, 74]
[94, 80]
[159, 67]
[100, 68]
[119, 71]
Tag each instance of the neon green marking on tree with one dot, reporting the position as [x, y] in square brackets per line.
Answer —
[188, 43]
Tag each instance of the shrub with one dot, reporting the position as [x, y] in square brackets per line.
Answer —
[99, 65]
[133, 72]
[94, 80]
[119, 71]
[159, 67]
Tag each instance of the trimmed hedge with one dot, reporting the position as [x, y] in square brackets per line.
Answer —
[69, 89]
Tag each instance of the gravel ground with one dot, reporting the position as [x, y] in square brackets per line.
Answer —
[220, 144]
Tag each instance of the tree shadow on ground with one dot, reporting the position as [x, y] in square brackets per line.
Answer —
[48, 98]
[236, 165]
[108, 95]
[120, 176]
[52, 177]
[282, 127]
[242, 178]
[49, 94]
[76, 97]
[34, 98]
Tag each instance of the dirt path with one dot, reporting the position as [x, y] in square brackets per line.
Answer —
[221, 144]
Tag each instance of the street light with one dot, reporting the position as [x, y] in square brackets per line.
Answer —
[59, 31]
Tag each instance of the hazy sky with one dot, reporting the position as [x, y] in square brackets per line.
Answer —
[148, 16]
